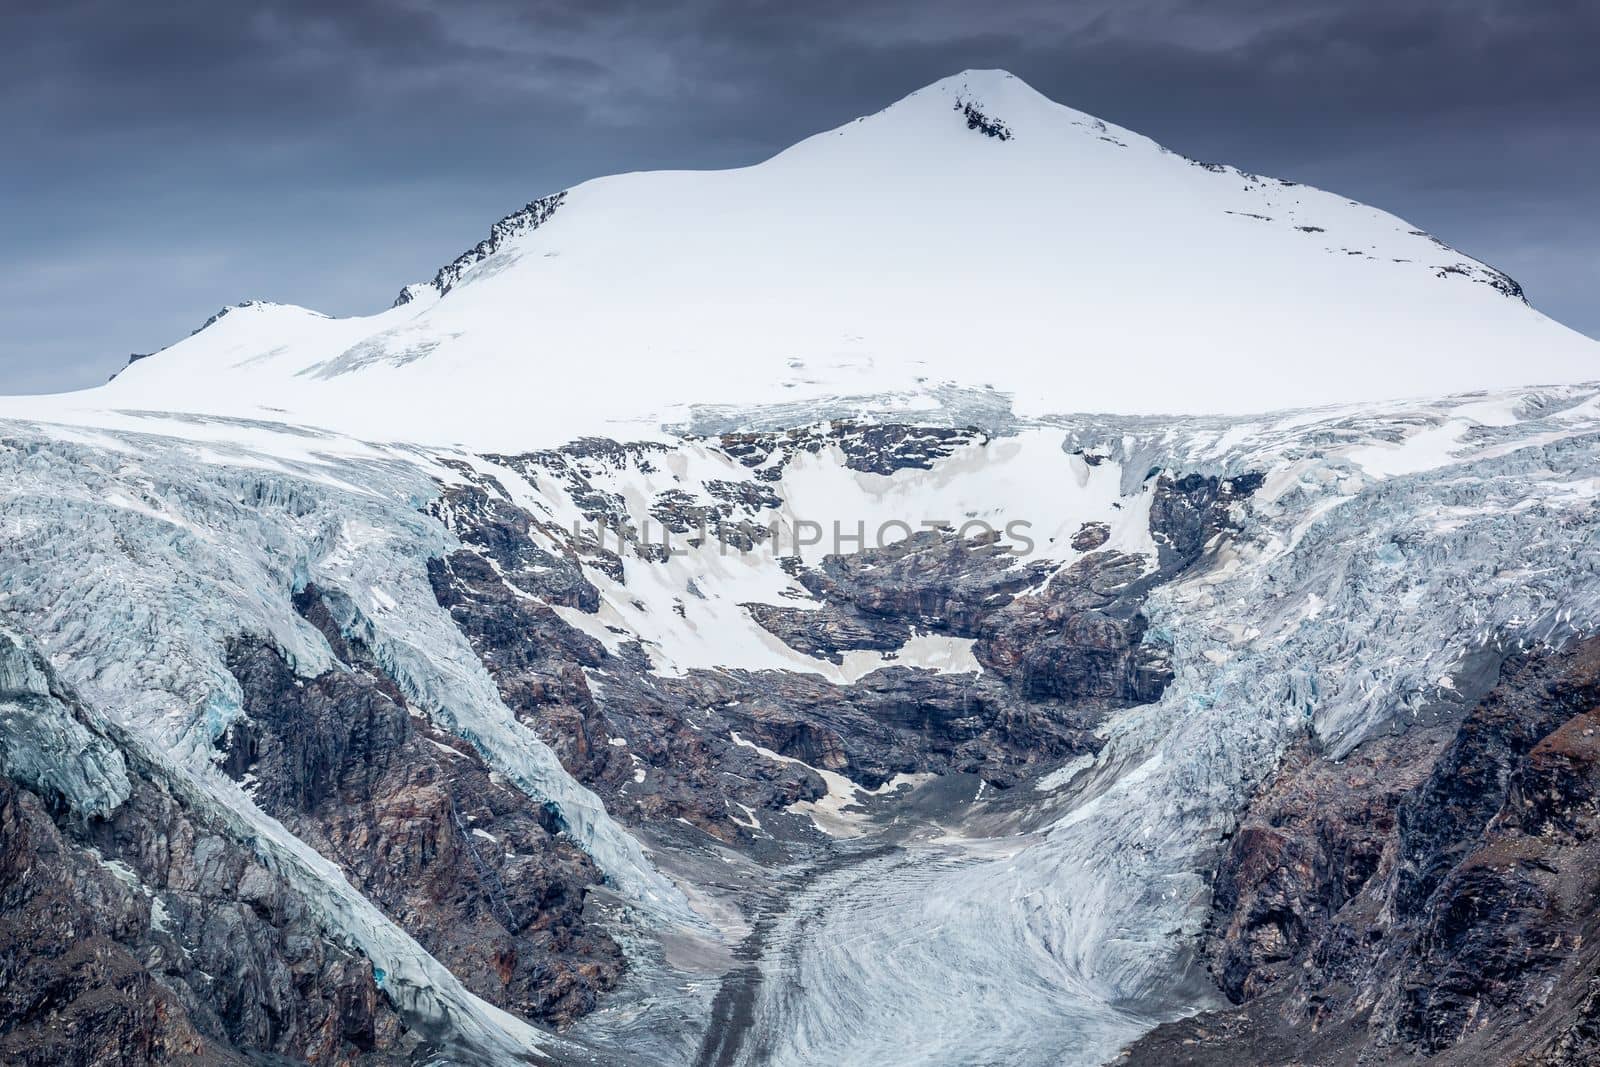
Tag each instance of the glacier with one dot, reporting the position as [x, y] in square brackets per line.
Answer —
[1349, 603]
[131, 567]
[1383, 548]
[976, 306]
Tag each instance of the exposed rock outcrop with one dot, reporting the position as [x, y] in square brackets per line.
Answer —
[147, 933]
[480, 875]
[1055, 648]
[1430, 897]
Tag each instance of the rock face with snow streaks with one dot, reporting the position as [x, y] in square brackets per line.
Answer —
[1051, 650]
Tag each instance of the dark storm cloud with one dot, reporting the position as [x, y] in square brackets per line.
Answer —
[164, 158]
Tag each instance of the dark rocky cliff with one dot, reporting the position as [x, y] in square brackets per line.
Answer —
[151, 933]
[1430, 897]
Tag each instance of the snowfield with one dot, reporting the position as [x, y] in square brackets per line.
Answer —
[1073, 265]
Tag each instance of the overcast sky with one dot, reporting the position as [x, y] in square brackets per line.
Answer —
[161, 159]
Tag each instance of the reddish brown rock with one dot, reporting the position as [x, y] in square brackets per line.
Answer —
[481, 875]
[1434, 896]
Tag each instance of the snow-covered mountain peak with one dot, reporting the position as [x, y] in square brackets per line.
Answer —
[994, 100]
[983, 83]
[973, 238]
[960, 121]
[1000, 96]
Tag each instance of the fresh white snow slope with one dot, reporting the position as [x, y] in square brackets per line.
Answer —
[1071, 264]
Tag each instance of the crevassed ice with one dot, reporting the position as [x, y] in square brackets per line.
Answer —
[1382, 547]
[131, 567]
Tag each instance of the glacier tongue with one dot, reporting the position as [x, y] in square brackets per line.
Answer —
[1347, 603]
